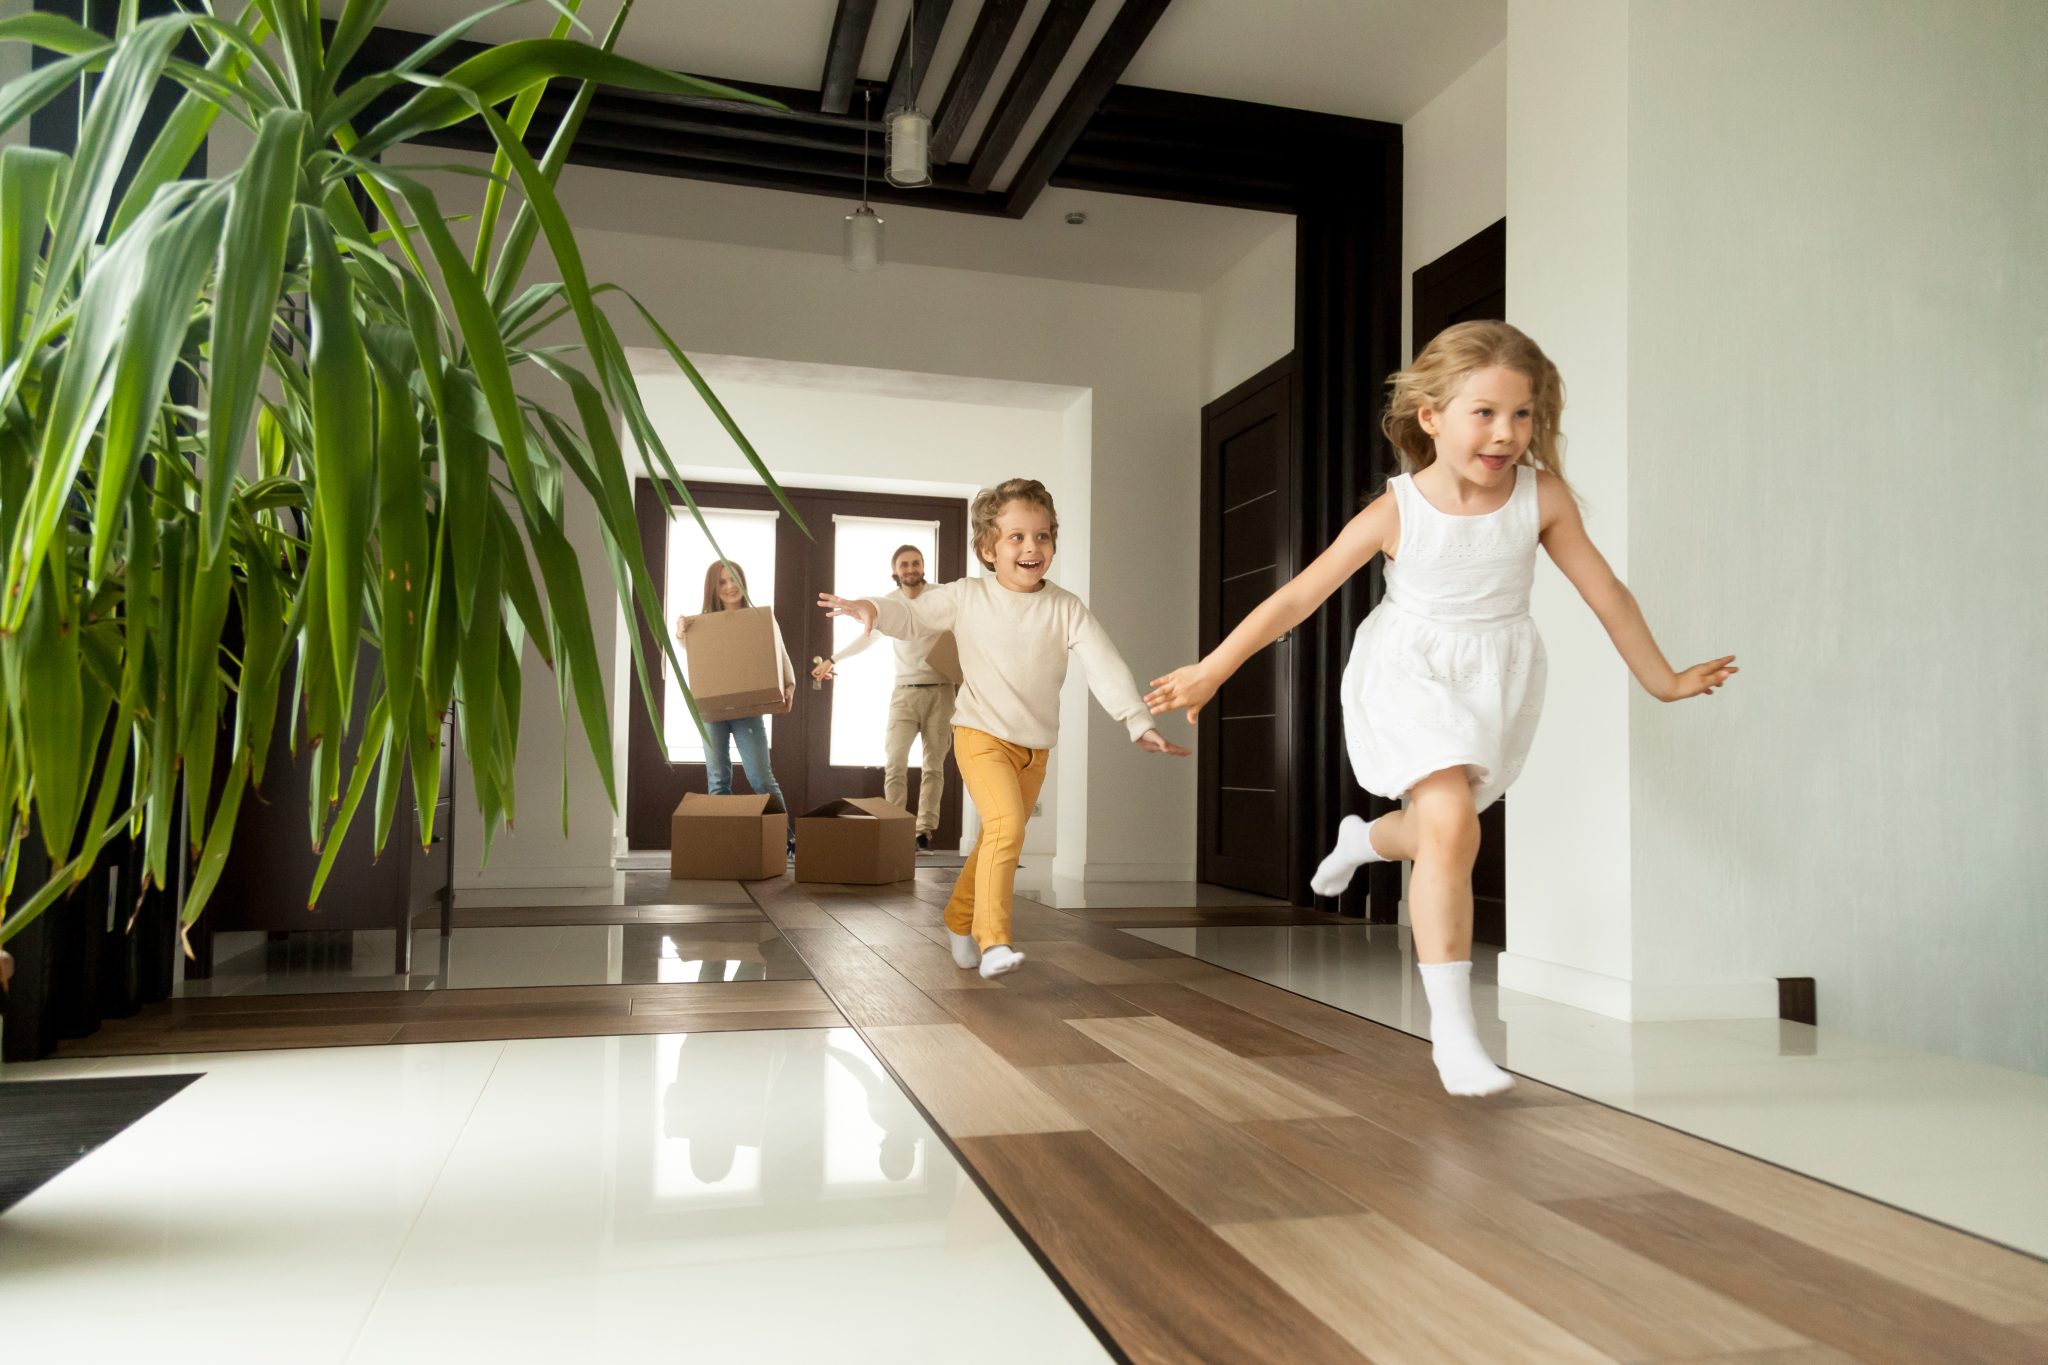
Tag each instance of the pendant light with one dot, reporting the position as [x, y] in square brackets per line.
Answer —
[863, 225]
[910, 130]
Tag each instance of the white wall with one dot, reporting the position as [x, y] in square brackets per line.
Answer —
[1570, 930]
[1124, 541]
[818, 430]
[1248, 315]
[1837, 350]
[1454, 155]
[1788, 260]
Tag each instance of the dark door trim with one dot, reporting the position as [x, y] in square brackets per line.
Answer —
[1268, 395]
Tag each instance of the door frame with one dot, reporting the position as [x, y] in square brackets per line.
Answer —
[1211, 865]
[800, 749]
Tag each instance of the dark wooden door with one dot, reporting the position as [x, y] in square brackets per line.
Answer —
[1469, 283]
[1245, 765]
[800, 747]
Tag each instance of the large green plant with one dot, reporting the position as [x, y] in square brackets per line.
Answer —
[357, 459]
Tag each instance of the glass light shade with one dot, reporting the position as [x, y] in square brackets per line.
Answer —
[910, 149]
[863, 239]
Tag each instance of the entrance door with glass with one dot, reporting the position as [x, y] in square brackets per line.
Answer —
[832, 743]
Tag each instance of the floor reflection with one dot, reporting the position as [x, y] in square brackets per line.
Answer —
[764, 1131]
[498, 957]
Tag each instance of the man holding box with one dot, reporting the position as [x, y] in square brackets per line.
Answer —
[927, 670]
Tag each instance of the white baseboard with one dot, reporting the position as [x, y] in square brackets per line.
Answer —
[1575, 986]
[501, 878]
[1644, 1000]
[1139, 872]
[1706, 999]
[641, 860]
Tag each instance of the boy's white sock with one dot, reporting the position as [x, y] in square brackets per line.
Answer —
[966, 952]
[1354, 850]
[1000, 958]
[1461, 1060]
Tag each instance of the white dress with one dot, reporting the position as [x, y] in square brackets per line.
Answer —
[1448, 669]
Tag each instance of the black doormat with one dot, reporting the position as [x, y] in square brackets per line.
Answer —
[47, 1125]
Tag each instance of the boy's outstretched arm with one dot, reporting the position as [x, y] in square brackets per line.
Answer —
[1367, 534]
[1572, 550]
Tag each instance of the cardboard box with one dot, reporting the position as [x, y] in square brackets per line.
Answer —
[736, 664]
[861, 841]
[945, 658]
[721, 838]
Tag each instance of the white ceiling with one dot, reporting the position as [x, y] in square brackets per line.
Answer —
[1380, 59]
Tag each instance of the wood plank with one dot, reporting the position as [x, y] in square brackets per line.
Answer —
[1225, 1025]
[986, 43]
[1166, 1287]
[789, 907]
[1105, 66]
[1398, 1301]
[968, 1090]
[913, 62]
[1621, 1304]
[1022, 1030]
[1227, 1085]
[931, 968]
[871, 996]
[237, 1040]
[1089, 964]
[732, 998]
[1977, 1276]
[877, 928]
[1056, 31]
[842, 56]
[1213, 1169]
[1826, 1298]
[1466, 1131]
[589, 1026]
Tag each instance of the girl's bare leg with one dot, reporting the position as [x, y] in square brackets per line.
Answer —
[1439, 832]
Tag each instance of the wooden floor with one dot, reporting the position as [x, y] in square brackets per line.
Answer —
[1219, 1170]
[1223, 1171]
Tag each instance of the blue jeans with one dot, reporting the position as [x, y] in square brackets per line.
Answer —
[751, 733]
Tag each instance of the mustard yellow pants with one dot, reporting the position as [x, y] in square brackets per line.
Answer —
[1003, 779]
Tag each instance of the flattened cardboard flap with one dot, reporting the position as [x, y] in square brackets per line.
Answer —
[698, 804]
[858, 808]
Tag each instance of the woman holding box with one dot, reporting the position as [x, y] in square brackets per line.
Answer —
[725, 589]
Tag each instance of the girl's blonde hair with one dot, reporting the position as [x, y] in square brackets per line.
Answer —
[989, 504]
[1455, 355]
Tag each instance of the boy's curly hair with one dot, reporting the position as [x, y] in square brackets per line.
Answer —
[988, 505]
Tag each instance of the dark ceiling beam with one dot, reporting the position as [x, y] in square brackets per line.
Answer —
[1125, 35]
[842, 59]
[914, 53]
[1056, 32]
[986, 44]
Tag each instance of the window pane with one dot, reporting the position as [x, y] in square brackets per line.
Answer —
[748, 539]
[863, 550]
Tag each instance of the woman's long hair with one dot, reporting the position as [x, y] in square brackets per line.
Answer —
[711, 599]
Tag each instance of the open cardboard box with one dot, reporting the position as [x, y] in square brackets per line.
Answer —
[859, 841]
[728, 838]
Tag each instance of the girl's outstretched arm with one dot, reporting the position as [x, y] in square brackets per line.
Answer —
[1572, 550]
[1366, 535]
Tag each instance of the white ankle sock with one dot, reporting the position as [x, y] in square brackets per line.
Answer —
[966, 952]
[1354, 850]
[1461, 1060]
[1000, 958]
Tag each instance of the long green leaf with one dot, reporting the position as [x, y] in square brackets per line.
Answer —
[344, 410]
[252, 255]
[501, 73]
[28, 183]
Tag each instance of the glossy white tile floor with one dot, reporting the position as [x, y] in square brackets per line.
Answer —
[1955, 1141]
[762, 1197]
